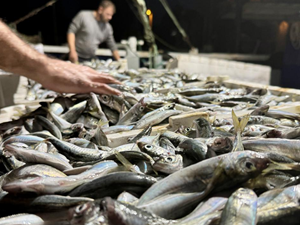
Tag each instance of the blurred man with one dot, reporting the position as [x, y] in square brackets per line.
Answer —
[89, 29]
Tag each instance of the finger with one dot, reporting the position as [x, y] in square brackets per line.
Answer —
[101, 88]
[106, 79]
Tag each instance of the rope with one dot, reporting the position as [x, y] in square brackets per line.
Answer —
[32, 13]
[175, 21]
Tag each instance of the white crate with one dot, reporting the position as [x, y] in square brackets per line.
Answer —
[220, 67]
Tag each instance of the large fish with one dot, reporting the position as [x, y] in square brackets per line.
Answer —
[236, 167]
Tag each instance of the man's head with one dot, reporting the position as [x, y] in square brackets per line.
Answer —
[106, 10]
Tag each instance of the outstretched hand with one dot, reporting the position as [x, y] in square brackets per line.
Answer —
[65, 77]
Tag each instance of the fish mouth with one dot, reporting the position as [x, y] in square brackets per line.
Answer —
[28, 185]
[108, 207]
[140, 145]
[11, 188]
[107, 204]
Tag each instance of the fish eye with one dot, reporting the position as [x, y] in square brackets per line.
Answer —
[81, 208]
[142, 108]
[105, 97]
[148, 147]
[218, 142]
[188, 129]
[249, 165]
[169, 159]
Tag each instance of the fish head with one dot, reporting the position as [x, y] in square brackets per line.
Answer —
[201, 122]
[141, 105]
[275, 133]
[222, 122]
[14, 130]
[77, 126]
[151, 149]
[189, 132]
[245, 193]
[32, 184]
[142, 144]
[112, 212]
[220, 144]
[169, 106]
[168, 164]
[248, 163]
[86, 214]
[106, 99]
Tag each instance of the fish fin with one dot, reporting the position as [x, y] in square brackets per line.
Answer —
[102, 123]
[18, 113]
[132, 146]
[239, 126]
[216, 175]
[236, 122]
[244, 122]
[47, 108]
[281, 166]
[126, 163]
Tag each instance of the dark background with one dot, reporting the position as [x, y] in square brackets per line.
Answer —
[204, 21]
[201, 19]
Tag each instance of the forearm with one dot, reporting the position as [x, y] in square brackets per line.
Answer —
[18, 57]
[71, 42]
[116, 55]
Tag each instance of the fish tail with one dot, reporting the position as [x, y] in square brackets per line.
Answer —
[211, 120]
[102, 123]
[239, 126]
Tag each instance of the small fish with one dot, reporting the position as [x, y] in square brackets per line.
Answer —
[74, 112]
[114, 184]
[74, 152]
[32, 156]
[133, 114]
[48, 125]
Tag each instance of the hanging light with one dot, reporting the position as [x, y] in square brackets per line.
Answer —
[148, 12]
[150, 16]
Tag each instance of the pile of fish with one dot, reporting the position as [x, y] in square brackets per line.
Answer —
[35, 91]
[58, 166]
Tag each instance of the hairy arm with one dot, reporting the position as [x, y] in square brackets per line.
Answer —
[110, 41]
[19, 58]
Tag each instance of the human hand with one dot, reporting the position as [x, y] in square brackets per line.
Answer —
[65, 77]
[73, 57]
